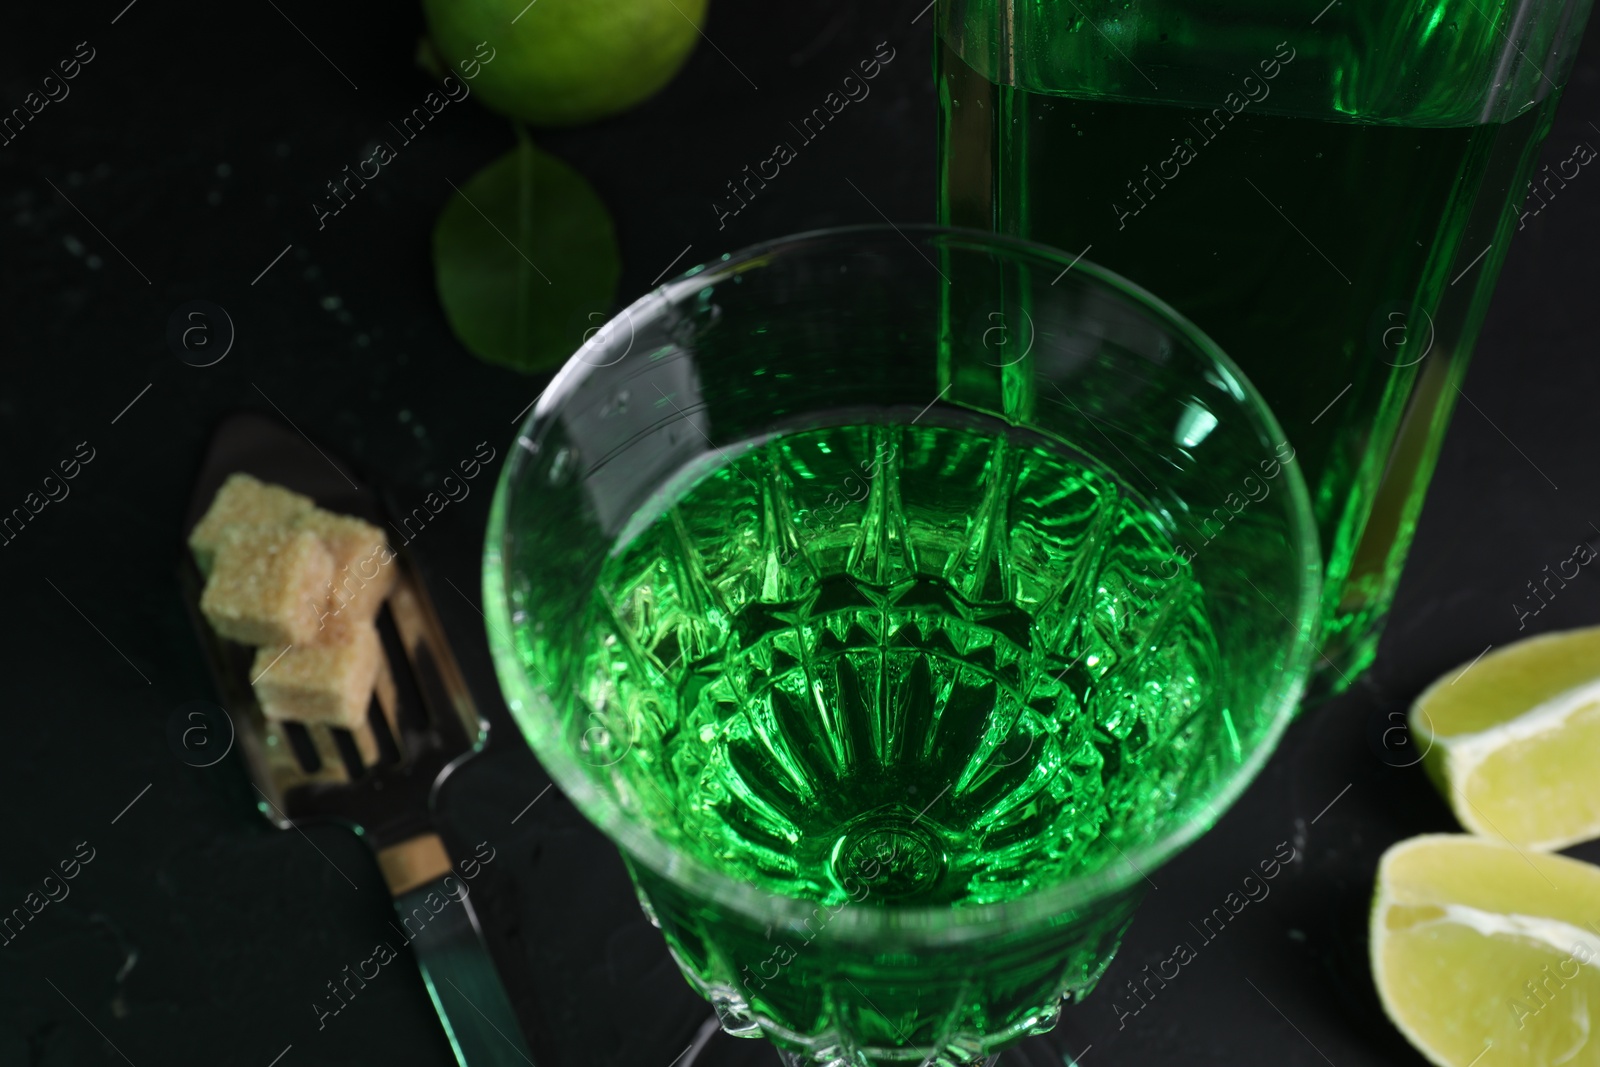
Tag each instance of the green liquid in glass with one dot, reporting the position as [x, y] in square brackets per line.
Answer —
[1338, 237]
[902, 666]
[940, 677]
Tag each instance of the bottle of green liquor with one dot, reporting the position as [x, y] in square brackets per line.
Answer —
[1328, 191]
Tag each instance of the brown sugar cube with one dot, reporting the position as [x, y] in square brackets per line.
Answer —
[329, 681]
[268, 586]
[242, 501]
[363, 566]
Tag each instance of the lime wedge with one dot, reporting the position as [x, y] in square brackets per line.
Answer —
[1489, 955]
[1513, 740]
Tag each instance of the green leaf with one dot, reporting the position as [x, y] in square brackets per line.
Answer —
[525, 260]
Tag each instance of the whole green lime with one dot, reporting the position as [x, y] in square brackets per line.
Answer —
[564, 62]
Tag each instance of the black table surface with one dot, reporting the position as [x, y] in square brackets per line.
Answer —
[184, 161]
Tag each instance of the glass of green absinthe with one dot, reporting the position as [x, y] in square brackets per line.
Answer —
[898, 601]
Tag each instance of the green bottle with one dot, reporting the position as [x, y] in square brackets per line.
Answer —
[1327, 193]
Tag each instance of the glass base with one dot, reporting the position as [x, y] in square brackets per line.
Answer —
[712, 1047]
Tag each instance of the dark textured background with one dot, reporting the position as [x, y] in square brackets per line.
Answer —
[194, 143]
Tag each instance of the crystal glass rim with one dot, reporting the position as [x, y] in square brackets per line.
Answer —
[856, 922]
